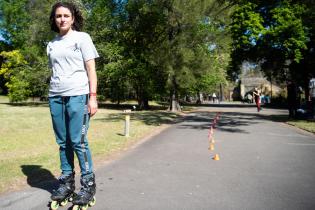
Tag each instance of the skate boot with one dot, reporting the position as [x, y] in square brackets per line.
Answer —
[85, 197]
[64, 193]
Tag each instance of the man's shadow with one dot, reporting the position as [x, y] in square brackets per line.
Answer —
[40, 177]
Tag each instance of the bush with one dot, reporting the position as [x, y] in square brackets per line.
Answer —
[18, 89]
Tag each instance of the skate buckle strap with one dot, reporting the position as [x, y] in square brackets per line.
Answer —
[83, 191]
[62, 188]
[63, 177]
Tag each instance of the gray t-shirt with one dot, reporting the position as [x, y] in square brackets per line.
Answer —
[67, 55]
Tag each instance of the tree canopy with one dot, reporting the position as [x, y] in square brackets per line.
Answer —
[278, 35]
[160, 49]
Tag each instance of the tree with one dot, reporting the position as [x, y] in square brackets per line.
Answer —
[13, 61]
[189, 32]
[271, 33]
[148, 49]
[26, 30]
[102, 21]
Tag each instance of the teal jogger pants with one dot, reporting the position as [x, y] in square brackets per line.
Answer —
[70, 121]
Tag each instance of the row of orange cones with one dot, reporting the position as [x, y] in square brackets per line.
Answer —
[211, 138]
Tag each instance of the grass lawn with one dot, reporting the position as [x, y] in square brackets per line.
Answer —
[307, 125]
[28, 152]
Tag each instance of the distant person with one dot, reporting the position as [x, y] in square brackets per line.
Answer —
[214, 97]
[262, 99]
[312, 96]
[267, 99]
[292, 98]
[256, 96]
[250, 98]
[72, 101]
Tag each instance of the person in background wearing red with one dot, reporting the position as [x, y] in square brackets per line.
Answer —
[256, 95]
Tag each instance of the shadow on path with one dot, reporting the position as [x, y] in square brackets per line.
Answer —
[149, 118]
[229, 121]
[233, 118]
[235, 105]
[39, 177]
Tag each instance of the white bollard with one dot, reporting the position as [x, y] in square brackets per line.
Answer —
[127, 122]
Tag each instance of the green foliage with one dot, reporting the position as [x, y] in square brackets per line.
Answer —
[11, 60]
[247, 26]
[271, 33]
[210, 81]
[23, 80]
[288, 31]
[189, 32]
[158, 46]
[26, 29]
[15, 19]
[18, 88]
[148, 49]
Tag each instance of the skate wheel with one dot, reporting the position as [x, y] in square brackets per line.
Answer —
[93, 201]
[63, 203]
[85, 207]
[76, 207]
[54, 205]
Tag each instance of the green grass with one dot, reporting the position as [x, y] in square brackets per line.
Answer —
[308, 125]
[29, 154]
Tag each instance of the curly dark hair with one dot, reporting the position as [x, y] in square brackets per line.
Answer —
[76, 13]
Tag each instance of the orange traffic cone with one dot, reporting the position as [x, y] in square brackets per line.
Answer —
[216, 157]
[212, 141]
[211, 147]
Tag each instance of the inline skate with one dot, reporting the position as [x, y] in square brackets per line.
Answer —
[64, 193]
[85, 197]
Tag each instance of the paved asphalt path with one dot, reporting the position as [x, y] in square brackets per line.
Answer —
[263, 164]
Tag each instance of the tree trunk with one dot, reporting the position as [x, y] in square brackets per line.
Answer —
[199, 101]
[307, 95]
[221, 93]
[270, 87]
[174, 104]
[144, 104]
[143, 100]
